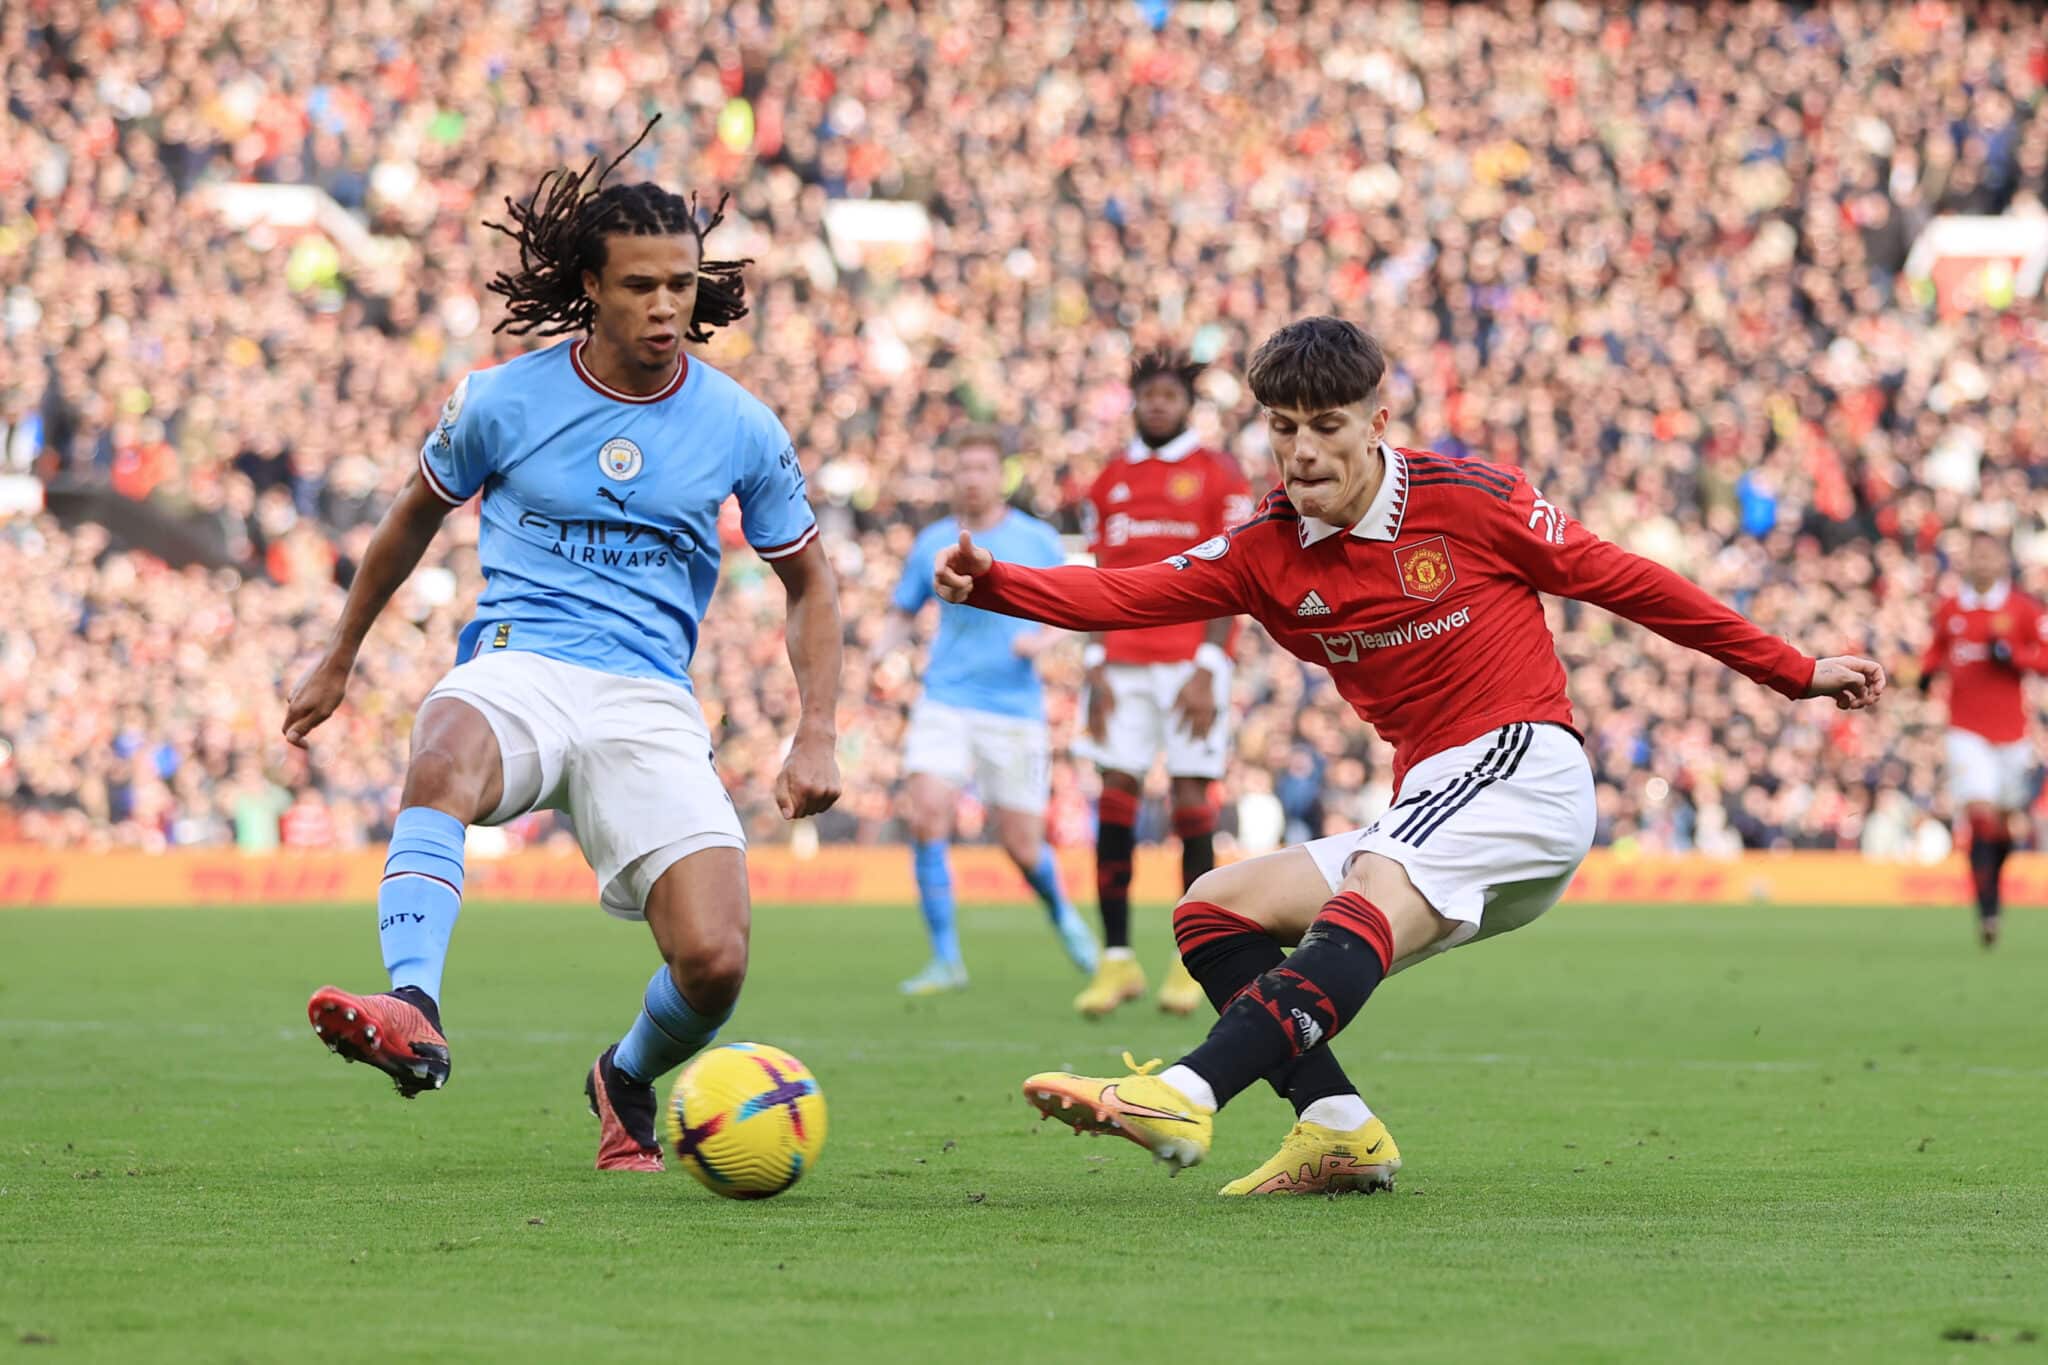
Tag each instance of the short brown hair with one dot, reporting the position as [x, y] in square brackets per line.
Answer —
[977, 434]
[1316, 364]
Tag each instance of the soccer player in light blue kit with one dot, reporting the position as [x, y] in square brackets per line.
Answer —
[982, 715]
[601, 463]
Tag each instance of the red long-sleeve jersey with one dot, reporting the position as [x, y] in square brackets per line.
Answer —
[1144, 505]
[1426, 612]
[1984, 697]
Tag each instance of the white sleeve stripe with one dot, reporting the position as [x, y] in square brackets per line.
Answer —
[785, 551]
[440, 489]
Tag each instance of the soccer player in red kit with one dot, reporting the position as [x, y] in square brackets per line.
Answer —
[1985, 637]
[1162, 689]
[1415, 579]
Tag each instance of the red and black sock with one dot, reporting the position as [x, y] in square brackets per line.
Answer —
[1227, 953]
[1116, 836]
[1195, 827]
[1291, 1009]
[1990, 846]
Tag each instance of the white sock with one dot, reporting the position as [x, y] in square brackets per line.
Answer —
[1190, 1083]
[1341, 1112]
[1118, 954]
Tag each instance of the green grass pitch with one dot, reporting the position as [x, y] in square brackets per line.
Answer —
[1644, 1134]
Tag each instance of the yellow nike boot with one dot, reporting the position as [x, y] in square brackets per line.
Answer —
[1116, 980]
[1138, 1106]
[1319, 1160]
[1180, 993]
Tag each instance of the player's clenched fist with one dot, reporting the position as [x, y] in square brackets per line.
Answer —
[1854, 683]
[957, 568]
[809, 781]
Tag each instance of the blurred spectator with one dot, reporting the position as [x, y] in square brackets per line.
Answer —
[1650, 253]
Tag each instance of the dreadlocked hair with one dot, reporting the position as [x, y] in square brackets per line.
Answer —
[1169, 362]
[561, 228]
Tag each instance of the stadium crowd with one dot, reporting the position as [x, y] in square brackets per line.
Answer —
[1653, 253]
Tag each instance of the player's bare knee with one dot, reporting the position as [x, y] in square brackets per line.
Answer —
[1414, 921]
[710, 969]
[1224, 886]
[1127, 783]
[1023, 849]
[442, 777]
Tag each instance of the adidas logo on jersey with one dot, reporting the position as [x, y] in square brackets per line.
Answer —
[1313, 605]
[1307, 1030]
[1120, 493]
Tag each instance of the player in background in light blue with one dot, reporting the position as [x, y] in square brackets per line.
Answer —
[981, 717]
[601, 463]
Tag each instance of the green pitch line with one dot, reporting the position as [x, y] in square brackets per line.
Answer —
[1631, 1135]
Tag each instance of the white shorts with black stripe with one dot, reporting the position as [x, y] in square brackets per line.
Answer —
[1490, 832]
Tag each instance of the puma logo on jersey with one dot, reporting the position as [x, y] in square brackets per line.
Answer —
[615, 499]
[1313, 605]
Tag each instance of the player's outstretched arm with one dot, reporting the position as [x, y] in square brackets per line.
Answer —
[1187, 587]
[395, 549]
[809, 780]
[1558, 555]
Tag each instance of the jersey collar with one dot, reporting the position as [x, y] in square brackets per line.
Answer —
[667, 391]
[1382, 520]
[1972, 600]
[1173, 452]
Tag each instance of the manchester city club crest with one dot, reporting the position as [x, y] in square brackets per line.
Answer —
[1425, 567]
[619, 458]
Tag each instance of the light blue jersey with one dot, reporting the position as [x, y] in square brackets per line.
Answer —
[973, 664]
[599, 543]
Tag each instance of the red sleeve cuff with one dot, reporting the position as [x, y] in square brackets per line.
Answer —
[1795, 679]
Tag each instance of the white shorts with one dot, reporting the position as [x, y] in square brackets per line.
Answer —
[628, 760]
[1978, 770]
[1007, 758]
[1490, 832]
[1143, 724]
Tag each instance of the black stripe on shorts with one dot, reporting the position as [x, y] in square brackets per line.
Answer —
[1511, 761]
[1418, 817]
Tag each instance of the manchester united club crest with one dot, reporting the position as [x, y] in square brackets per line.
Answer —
[1185, 486]
[1425, 568]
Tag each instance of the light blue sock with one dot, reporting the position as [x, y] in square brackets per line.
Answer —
[420, 897]
[668, 1032]
[1045, 880]
[935, 896]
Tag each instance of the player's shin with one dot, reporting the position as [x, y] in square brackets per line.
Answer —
[1116, 838]
[1227, 953]
[419, 898]
[668, 1032]
[935, 898]
[1043, 876]
[1195, 827]
[1291, 1009]
[1990, 843]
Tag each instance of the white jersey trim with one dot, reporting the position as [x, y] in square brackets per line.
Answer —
[785, 551]
[434, 484]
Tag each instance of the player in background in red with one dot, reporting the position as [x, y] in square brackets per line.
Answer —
[1162, 689]
[1986, 637]
[1415, 579]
